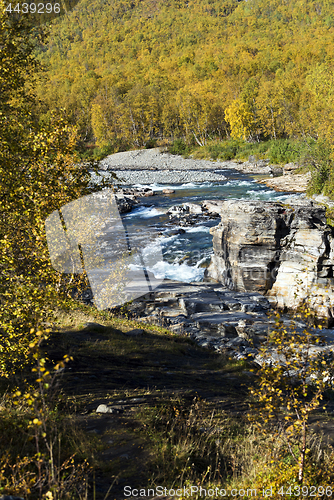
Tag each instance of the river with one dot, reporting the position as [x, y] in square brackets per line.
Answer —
[186, 255]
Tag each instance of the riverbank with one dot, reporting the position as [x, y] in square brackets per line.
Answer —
[296, 183]
[150, 166]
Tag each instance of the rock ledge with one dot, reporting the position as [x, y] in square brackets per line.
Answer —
[284, 252]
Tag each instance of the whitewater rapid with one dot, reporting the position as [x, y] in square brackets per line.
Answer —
[187, 254]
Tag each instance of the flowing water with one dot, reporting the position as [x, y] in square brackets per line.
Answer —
[186, 255]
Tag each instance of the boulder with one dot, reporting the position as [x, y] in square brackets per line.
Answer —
[177, 210]
[185, 208]
[283, 252]
[168, 191]
[289, 168]
[262, 163]
[193, 208]
[296, 183]
[323, 200]
[109, 409]
[148, 193]
[213, 207]
[276, 170]
[124, 203]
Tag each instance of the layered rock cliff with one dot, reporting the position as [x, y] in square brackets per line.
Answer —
[284, 252]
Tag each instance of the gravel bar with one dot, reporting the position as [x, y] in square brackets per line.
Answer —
[157, 159]
[150, 166]
[149, 177]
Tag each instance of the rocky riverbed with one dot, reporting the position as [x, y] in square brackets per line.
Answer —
[265, 253]
[230, 322]
[167, 176]
[150, 167]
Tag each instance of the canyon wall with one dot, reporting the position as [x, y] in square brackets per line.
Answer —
[285, 252]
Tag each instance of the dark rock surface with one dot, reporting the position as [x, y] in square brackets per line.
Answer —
[189, 214]
[215, 317]
[210, 314]
[127, 199]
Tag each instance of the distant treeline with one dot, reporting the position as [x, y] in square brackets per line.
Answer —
[130, 71]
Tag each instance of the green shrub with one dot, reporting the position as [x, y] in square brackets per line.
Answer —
[214, 150]
[225, 150]
[317, 157]
[179, 147]
[284, 151]
[234, 149]
[103, 151]
[151, 143]
[247, 149]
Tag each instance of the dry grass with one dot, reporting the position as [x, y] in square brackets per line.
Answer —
[183, 420]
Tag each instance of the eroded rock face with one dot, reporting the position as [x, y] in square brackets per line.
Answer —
[284, 252]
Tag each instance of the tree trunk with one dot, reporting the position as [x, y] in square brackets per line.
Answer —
[273, 122]
[302, 456]
[197, 140]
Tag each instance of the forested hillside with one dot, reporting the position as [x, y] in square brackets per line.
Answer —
[128, 71]
[127, 74]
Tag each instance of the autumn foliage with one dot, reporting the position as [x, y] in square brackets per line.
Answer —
[137, 70]
[39, 173]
